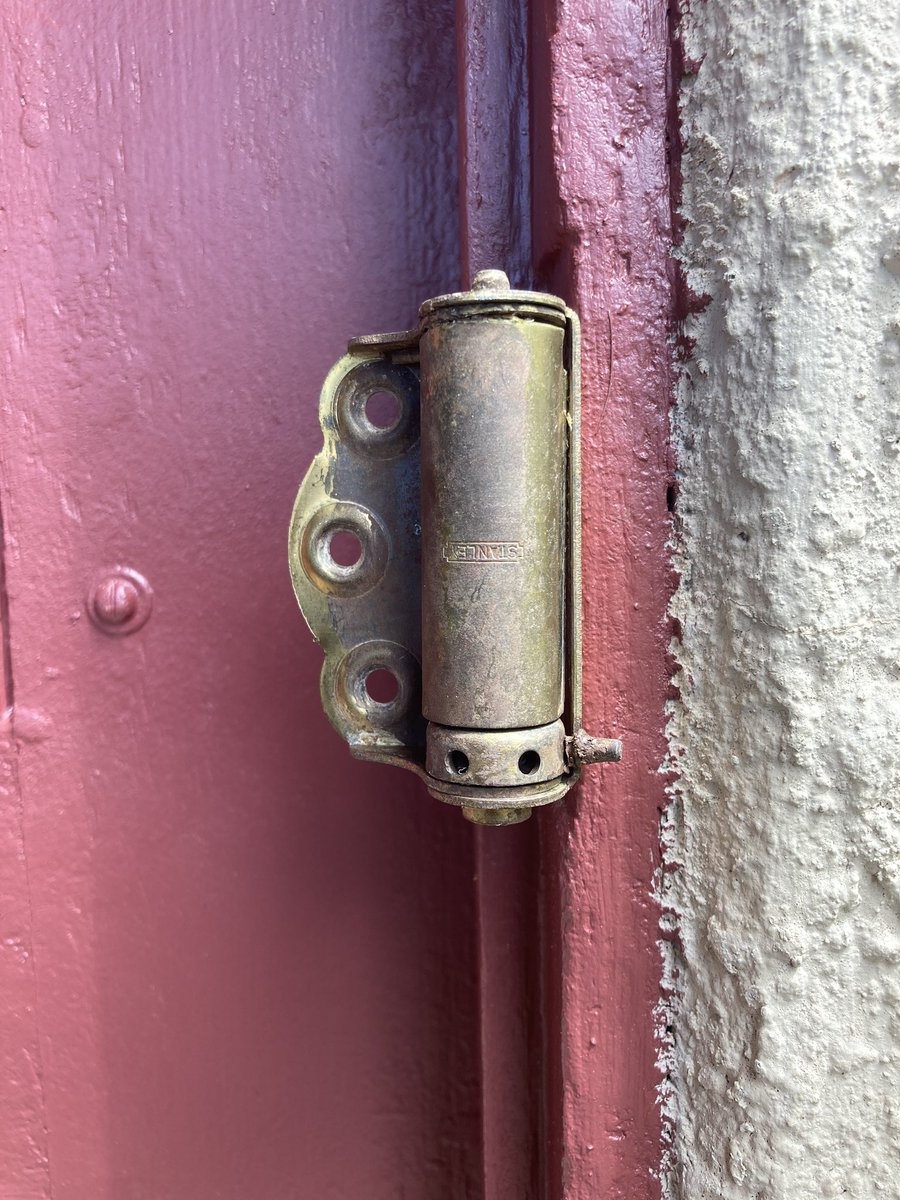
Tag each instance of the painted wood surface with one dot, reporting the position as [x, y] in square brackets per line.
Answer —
[602, 238]
[234, 962]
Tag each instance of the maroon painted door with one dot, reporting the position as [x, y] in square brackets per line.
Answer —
[234, 962]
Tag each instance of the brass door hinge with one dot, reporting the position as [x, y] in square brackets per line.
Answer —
[440, 544]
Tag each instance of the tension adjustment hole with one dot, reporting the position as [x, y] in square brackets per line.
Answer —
[529, 762]
[383, 410]
[345, 548]
[382, 686]
[457, 762]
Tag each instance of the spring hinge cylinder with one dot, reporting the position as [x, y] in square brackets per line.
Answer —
[467, 585]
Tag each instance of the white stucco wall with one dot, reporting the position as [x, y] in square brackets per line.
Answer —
[785, 820]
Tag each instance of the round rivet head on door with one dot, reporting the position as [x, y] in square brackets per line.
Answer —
[119, 601]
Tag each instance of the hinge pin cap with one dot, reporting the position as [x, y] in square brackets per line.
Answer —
[490, 281]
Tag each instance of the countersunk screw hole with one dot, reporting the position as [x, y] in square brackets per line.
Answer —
[383, 410]
[458, 762]
[529, 762]
[345, 548]
[382, 686]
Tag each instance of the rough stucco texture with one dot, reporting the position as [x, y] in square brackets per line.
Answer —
[785, 825]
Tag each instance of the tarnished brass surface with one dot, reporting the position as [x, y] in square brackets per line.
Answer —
[496, 816]
[365, 481]
[493, 758]
[470, 547]
[527, 796]
[493, 517]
